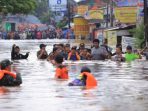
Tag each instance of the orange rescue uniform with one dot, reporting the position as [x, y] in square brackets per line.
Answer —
[61, 73]
[90, 80]
[3, 72]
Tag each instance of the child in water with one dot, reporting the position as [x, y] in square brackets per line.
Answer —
[84, 79]
[61, 70]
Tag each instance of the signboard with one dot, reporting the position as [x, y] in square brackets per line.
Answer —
[99, 35]
[82, 9]
[140, 8]
[112, 38]
[96, 14]
[123, 3]
[8, 26]
[58, 5]
[127, 41]
[126, 14]
[81, 27]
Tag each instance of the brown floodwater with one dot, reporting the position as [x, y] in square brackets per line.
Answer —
[122, 86]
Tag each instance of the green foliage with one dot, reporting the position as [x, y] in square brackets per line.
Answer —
[45, 17]
[61, 24]
[17, 6]
[43, 12]
[138, 34]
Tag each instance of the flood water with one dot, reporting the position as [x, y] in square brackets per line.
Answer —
[122, 86]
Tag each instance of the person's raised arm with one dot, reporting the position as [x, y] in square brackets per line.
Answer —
[13, 51]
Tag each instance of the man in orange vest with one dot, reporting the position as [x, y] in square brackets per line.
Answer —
[7, 78]
[61, 70]
[84, 79]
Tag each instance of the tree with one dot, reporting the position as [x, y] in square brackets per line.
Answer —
[61, 24]
[138, 34]
[43, 12]
[17, 6]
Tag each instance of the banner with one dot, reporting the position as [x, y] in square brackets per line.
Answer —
[140, 7]
[126, 14]
[81, 27]
[98, 34]
[112, 38]
[123, 3]
[8, 26]
[82, 9]
[58, 5]
[128, 41]
[95, 14]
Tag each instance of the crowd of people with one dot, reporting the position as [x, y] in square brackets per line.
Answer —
[38, 34]
[96, 52]
[63, 52]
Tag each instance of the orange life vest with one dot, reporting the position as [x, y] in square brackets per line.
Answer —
[3, 72]
[3, 90]
[61, 73]
[90, 81]
[77, 56]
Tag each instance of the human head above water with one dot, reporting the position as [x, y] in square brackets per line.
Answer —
[129, 49]
[59, 59]
[4, 64]
[73, 49]
[96, 43]
[67, 45]
[96, 40]
[17, 49]
[42, 45]
[85, 69]
[118, 50]
[82, 45]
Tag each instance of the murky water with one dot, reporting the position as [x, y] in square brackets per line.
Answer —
[122, 86]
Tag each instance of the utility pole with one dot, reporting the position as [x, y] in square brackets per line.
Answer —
[68, 9]
[146, 21]
[111, 13]
[107, 14]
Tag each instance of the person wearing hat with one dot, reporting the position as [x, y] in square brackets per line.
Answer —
[84, 79]
[81, 47]
[7, 78]
[42, 53]
[130, 56]
[16, 55]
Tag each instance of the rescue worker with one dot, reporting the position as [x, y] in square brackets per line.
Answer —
[15, 53]
[84, 79]
[7, 78]
[61, 70]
